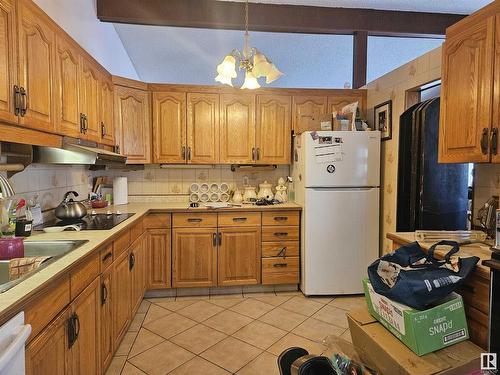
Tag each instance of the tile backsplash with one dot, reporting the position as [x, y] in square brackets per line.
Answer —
[172, 183]
[50, 182]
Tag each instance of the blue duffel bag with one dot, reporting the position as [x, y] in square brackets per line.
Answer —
[424, 279]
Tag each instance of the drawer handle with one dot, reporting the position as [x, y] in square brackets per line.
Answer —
[194, 220]
[107, 256]
[280, 218]
[281, 234]
[280, 265]
[104, 294]
[239, 219]
[282, 252]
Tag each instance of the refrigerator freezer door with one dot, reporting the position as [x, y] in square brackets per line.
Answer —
[341, 159]
[340, 239]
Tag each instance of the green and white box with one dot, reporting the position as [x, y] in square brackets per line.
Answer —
[423, 331]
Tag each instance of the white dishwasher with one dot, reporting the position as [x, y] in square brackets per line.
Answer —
[13, 336]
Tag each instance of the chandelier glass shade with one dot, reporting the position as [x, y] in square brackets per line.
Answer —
[251, 60]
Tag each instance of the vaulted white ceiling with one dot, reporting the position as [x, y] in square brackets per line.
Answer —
[433, 6]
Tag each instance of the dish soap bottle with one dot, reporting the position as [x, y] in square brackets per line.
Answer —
[291, 190]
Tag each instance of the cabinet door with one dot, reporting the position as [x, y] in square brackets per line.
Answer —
[133, 124]
[8, 61]
[89, 99]
[237, 129]
[306, 109]
[67, 89]
[239, 256]
[169, 127]
[121, 300]
[203, 128]
[106, 111]
[273, 132]
[467, 75]
[36, 66]
[106, 318]
[138, 273]
[495, 156]
[194, 257]
[159, 259]
[48, 353]
[85, 350]
[337, 102]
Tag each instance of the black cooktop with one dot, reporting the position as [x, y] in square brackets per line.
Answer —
[90, 222]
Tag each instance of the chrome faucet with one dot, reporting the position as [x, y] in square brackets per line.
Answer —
[6, 188]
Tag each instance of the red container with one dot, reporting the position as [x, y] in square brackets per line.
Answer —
[11, 247]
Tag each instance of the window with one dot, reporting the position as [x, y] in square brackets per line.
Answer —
[388, 53]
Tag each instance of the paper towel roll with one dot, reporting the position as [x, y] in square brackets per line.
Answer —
[120, 190]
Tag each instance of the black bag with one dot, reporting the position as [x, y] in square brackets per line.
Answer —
[425, 283]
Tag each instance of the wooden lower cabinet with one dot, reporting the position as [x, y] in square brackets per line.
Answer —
[138, 273]
[194, 257]
[121, 300]
[159, 268]
[239, 256]
[51, 352]
[85, 349]
[48, 353]
[106, 318]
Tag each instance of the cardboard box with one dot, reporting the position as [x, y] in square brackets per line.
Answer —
[422, 331]
[382, 351]
[316, 123]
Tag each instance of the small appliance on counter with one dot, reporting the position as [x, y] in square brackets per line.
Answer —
[486, 216]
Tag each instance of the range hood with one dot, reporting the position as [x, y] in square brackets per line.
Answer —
[75, 152]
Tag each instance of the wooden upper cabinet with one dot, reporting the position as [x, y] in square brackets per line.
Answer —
[8, 61]
[273, 133]
[237, 129]
[169, 127]
[337, 102]
[89, 99]
[106, 119]
[67, 88]
[194, 257]
[203, 128]
[495, 156]
[133, 124]
[466, 94]
[305, 109]
[239, 256]
[36, 66]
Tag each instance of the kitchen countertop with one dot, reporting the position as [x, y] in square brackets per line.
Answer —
[480, 250]
[98, 238]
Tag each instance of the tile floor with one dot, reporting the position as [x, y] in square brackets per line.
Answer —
[227, 334]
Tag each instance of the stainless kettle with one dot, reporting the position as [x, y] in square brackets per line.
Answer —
[70, 210]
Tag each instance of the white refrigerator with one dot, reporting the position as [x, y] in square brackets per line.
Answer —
[336, 178]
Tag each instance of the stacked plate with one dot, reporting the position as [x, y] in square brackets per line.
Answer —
[209, 192]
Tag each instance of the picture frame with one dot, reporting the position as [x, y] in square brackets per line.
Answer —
[383, 120]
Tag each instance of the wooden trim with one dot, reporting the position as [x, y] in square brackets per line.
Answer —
[274, 17]
[127, 82]
[18, 134]
[359, 59]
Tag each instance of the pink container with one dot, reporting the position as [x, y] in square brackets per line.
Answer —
[11, 247]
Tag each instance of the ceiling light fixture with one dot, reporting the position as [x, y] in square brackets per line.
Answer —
[251, 60]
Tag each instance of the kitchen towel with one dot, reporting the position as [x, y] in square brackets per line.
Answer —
[120, 190]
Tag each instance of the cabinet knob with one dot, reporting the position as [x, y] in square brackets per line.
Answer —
[17, 100]
[484, 141]
[494, 141]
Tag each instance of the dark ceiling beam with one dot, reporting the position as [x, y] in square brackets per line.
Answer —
[359, 59]
[274, 17]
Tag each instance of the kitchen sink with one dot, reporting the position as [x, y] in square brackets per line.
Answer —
[54, 249]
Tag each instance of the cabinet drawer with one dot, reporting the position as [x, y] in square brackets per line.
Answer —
[280, 218]
[280, 249]
[240, 219]
[87, 271]
[280, 233]
[106, 256]
[121, 243]
[280, 271]
[136, 230]
[195, 220]
[157, 221]
[47, 305]
[476, 292]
